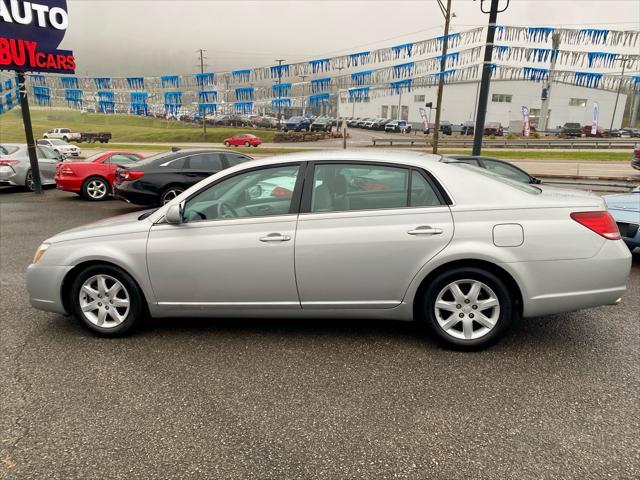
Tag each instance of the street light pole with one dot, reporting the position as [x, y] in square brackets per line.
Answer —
[486, 75]
[303, 78]
[443, 65]
[28, 131]
[204, 120]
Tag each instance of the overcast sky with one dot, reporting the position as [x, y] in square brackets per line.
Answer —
[154, 37]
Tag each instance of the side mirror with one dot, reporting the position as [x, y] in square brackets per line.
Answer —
[173, 215]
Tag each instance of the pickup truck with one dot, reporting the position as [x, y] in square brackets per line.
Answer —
[62, 134]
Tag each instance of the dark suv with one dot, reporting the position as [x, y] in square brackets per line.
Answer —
[571, 130]
[297, 124]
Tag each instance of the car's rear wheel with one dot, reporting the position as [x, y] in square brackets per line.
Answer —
[106, 300]
[227, 144]
[29, 183]
[95, 189]
[467, 308]
[247, 144]
[169, 194]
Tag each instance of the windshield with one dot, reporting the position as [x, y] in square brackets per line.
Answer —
[295, 119]
[523, 187]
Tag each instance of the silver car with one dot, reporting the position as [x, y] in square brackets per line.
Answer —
[61, 146]
[342, 234]
[15, 168]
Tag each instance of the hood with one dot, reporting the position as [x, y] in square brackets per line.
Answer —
[623, 201]
[122, 224]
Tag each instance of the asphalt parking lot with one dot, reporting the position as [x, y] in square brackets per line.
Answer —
[558, 398]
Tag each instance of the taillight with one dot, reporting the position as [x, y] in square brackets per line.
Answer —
[129, 175]
[66, 170]
[600, 222]
[7, 163]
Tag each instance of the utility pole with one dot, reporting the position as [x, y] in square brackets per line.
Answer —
[486, 75]
[204, 120]
[280, 61]
[28, 131]
[624, 61]
[338, 100]
[443, 65]
[303, 78]
[546, 89]
[399, 103]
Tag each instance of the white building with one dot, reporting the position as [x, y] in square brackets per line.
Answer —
[569, 103]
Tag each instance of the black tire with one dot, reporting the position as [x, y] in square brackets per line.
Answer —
[135, 313]
[97, 195]
[29, 184]
[247, 144]
[428, 312]
[227, 144]
[170, 193]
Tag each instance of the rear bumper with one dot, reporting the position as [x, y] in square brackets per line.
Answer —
[568, 285]
[44, 285]
[121, 192]
[69, 184]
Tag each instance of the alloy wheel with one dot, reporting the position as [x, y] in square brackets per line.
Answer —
[170, 195]
[97, 189]
[28, 181]
[104, 301]
[467, 309]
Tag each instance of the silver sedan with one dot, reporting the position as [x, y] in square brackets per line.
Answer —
[15, 168]
[342, 234]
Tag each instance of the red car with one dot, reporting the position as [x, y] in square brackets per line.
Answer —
[245, 139]
[586, 132]
[92, 178]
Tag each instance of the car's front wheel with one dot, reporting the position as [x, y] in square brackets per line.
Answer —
[467, 308]
[106, 300]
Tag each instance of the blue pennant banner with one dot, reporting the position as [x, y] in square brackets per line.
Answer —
[446, 76]
[245, 108]
[601, 59]
[451, 58]
[240, 76]
[42, 95]
[172, 81]
[587, 79]
[207, 108]
[543, 54]
[539, 34]
[500, 51]
[401, 86]
[361, 78]
[74, 97]
[244, 94]
[403, 50]
[102, 83]
[106, 102]
[635, 81]
[8, 100]
[535, 74]
[281, 90]
[278, 71]
[69, 82]
[205, 79]
[320, 65]
[138, 103]
[358, 94]
[136, 83]
[38, 79]
[208, 96]
[593, 35]
[453, 39]
[403, 70]
[281, 102]
[172, 102]
[359, 58]
[315, 101]
[320, 85]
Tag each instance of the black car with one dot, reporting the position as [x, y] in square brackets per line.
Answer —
[297, 124]
[445, 127]
[321, 124]
[569, 130]
[494, 165]
[160, 178]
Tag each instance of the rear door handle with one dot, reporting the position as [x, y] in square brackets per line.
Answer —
[275, 237]
[425, 230]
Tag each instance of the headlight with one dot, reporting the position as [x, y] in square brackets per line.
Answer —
[40, 252]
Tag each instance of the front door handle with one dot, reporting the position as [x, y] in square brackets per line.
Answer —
[425, 230]
[275, 237]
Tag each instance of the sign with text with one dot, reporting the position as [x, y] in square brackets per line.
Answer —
[526, 122]
[425, 119]
[30, 33]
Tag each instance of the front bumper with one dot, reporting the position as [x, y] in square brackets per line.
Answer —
[44, 284]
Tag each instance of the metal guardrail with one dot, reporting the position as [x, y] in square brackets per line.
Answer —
[520, 144]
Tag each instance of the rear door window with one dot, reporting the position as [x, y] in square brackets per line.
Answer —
[210, 162]
[235, 159]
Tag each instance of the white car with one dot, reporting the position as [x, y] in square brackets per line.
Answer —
[62, 147]
[343, 234]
